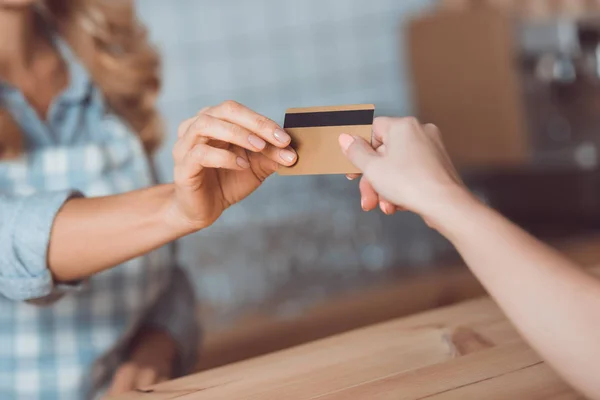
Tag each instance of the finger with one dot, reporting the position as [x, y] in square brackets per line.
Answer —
[385, 128]
[186, 142]
[262, 126]
[431, 129]
[146, 377]
[368, 196]
[387, 207]
[381, 127]
[352, 177]
[287, 156]
[205, 156]
[183, 146]
[215, 128]
[123, 380]
[206, 127]
[184, 126]
[358, 151]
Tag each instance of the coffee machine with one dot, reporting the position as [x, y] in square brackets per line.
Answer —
[518, 104]
[558, 62]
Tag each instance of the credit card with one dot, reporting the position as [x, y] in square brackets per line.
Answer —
[315, 132]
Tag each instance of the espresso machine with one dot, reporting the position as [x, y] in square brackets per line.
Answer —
[559, 65]
[518, 104]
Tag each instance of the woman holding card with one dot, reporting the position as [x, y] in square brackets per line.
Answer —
[91, 299]
[554, 303]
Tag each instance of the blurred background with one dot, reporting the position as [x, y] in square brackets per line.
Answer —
[513, 85]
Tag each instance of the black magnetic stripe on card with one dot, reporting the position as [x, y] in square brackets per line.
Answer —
[329, 118]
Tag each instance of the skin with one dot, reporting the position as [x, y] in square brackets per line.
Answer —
[222, 155]
[554, 303]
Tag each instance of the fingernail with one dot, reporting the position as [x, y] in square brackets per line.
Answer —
[257, 142]
[243, 163]
[384, 208]
[389, 210]
[349, 178]
[346, 141]
[362, 204]
[282, 136]
[287, 155]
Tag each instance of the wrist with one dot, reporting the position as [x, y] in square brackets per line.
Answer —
[451, 205]
[173, 218]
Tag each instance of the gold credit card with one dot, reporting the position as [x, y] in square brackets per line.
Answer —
[315, 132]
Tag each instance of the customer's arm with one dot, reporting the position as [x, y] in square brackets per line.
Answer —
[553, 302]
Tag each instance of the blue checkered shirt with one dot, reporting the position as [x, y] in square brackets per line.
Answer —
[68, 344]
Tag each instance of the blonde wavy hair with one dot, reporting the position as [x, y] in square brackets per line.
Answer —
[114, 47]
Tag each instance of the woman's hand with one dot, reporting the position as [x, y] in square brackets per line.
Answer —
[408, 168]
[150, 362]
[222, 155]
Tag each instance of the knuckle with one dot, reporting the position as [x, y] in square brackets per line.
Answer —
[125, 369]
[231, 106]
[202, 123]
[203, 111]
[199, 153]
[380, 122]
[236, 131]
[383, 125]
[148, 371]
[183, 127]
[433, 129]
[411, 121]
[263, 123]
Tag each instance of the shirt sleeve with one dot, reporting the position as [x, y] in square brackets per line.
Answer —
[25, 226]
[176, 313]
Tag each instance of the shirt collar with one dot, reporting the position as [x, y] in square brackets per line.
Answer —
[79, 86]
[80, 83]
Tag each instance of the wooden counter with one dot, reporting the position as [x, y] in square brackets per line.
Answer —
[465, 351]
[438, 285]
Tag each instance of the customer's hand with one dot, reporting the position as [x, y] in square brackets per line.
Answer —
[222, 155]
[150, 362]
[407, 168]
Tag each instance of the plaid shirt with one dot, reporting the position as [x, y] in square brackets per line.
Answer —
[68, 347]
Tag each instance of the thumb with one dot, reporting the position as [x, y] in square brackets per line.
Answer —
[358, 151]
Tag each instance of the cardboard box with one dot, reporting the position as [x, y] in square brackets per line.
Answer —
[466, 82]
[529, 8]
